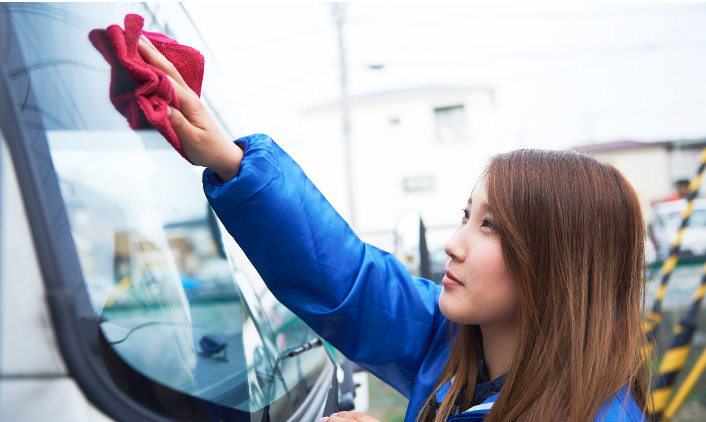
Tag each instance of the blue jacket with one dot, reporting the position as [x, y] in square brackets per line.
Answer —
[358, 297]
[620, 408]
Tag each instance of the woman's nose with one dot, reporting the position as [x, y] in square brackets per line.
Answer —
[454, 247]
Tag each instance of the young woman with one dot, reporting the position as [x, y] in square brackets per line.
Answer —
[538, 318]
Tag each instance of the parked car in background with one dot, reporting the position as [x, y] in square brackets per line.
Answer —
[119, 299]
[667, 217]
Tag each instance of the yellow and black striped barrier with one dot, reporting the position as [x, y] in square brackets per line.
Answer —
[686, 387]
[654, 317]
[675, 357]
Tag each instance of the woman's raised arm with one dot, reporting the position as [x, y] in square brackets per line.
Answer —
[359, 298]
[203, 140]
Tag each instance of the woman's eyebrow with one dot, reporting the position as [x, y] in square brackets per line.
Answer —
[483, 205]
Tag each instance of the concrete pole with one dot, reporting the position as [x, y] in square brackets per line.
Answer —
[339, 16]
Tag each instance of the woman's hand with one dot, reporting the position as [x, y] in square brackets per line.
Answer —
[203, 140]
[349, 417]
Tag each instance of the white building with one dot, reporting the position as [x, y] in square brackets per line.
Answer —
[412, 150]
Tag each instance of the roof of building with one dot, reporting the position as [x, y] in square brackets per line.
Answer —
[397, 94]
[620, 146]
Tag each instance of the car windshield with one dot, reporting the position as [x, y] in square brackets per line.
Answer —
[176, 310]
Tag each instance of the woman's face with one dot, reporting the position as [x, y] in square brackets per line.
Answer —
[478, 288]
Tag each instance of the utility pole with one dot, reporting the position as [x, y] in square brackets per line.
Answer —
[339, 17]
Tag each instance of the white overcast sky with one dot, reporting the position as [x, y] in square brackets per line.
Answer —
[563, 75]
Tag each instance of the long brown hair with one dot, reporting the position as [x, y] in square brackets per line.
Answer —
[572, 236]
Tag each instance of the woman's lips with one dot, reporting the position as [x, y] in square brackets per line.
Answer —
[449, 280]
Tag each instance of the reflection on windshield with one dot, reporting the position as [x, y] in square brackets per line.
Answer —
[157, 274]
[153, 262]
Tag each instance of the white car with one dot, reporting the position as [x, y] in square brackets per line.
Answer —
[667, 218]
[118, 298]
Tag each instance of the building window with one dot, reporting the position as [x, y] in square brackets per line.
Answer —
[450, 123]
[418, 183]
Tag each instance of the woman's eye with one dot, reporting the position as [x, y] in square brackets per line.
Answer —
[487, 222]
[465, 214]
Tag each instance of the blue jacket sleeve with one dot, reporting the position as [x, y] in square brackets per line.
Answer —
[359, 298]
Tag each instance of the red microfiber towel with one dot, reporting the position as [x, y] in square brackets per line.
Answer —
[138, 90]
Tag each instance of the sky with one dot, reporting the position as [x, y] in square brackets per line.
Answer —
[562, 74]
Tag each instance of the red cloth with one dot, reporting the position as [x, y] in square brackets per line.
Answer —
[138, 90]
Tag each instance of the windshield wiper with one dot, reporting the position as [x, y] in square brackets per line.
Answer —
[317, 342]
[347, 389]
[301, 349]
